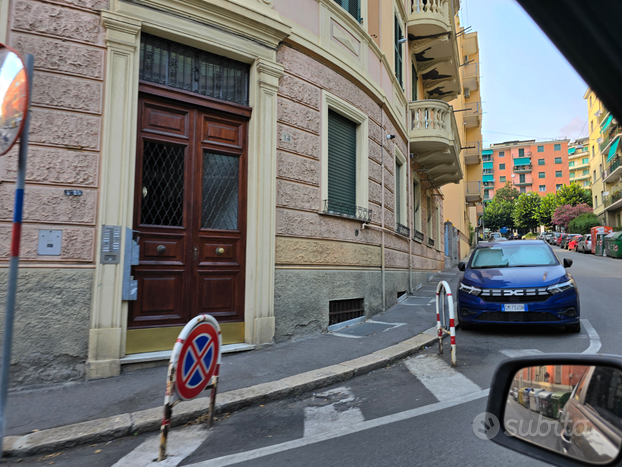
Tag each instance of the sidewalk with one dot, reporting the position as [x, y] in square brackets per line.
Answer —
[58, 417]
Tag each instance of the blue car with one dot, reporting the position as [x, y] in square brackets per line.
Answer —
[516, 283]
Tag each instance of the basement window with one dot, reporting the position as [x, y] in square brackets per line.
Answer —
[345, 310]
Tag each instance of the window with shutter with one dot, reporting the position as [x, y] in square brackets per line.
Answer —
[351, 6]
[398, 52]
[342, 162]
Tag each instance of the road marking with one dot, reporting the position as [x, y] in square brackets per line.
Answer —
[595, 343]
[318, 420]
[330, 435]
[515, 353]
[439, 378]
[181, 443]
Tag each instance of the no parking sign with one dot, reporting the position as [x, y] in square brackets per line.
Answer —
[194, 366]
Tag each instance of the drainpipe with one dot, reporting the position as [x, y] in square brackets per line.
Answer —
[382, 136]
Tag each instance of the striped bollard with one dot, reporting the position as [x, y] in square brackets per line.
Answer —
[445, 289]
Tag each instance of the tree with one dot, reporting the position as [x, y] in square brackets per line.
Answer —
[527, 210]
[549, 203]
[507, 193]
[583, 224]
[498, 213]
[574, 194]
[564, 214]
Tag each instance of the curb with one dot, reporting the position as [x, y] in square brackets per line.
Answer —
[144, 421]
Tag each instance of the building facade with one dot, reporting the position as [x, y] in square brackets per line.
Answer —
[579, 163]
[540, 166]
[276, 164]
[605, 161]
[466, 195]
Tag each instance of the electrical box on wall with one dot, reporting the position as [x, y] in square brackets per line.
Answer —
[49, 242]
[111, 244]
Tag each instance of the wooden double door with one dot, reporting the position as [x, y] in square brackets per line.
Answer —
[190, 213]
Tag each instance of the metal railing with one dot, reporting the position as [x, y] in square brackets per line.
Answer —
[337, 208]
[418, 236]
[614, 164]
[522, 168]
[615, 196]
[402, 230]
[430, 241]
[473, 188]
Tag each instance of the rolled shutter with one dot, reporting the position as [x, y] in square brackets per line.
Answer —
[341, 159]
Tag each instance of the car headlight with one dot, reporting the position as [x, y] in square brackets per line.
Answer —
[562, 287]
[468, 289]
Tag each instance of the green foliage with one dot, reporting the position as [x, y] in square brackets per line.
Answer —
[530, 236]
[527, 210]
[549, 203]
[574, 194]
[498, 213]
[583, 224]
[507, 193]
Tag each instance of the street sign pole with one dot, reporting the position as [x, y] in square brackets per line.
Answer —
[14, 263]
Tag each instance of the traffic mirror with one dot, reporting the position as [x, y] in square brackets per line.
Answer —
[13, 97]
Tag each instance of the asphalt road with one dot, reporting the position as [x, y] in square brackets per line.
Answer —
[417, 412]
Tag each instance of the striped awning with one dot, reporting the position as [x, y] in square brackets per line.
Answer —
[571, 151]
[612, 150]
[488, 165]
[488, 178]
[522, 161]
[606, 124]
[487, 152]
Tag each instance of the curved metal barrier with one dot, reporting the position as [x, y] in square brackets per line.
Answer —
[445, 318]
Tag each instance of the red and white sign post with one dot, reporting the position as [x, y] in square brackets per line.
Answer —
[193, 368]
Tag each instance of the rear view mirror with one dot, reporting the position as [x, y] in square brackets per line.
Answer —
[567, 262]
[462, 265]
[563, 410]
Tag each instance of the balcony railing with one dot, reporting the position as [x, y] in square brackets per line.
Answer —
[434, 16]
[470, 76]
[521, 169]
[525, 183]
[614, 196]
[430, 242]
[472, 152]
[402, 230]
[337, 208]
[472, 114]
[614, 164]
[418, 236]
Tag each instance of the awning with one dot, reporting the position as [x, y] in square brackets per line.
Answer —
[612, 149]
[571, 151]
[522, 161]
[488, 165]
[606, 124]
[488, 178]
[487, 152]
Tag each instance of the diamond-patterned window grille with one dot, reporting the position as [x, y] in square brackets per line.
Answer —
[162, 184]
[183, 67]
[220, 192]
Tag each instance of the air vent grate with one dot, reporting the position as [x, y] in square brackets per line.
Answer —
[345, 310]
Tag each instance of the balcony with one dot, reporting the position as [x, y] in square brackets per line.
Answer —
[473, 115]
[614, 170]
[488, 185]
[472, 152]
[434, 141]
[579, 177]
[613, 201]
[432, 41]
[470, 77]
[522, 169]
[525, 183]
[473, 192]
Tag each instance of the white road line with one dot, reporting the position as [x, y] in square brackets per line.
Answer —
[595, 343]
[514, 353]
[329, 435]
[439, 378]
[181, 443]
[318, 420]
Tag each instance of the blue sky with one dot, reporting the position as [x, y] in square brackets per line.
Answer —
[528, 88]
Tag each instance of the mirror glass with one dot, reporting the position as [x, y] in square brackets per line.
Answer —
[13, 98]
[574, 410]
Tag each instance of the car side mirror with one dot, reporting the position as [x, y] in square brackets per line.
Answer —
[567, 262]
[541, 406]
[462, 265]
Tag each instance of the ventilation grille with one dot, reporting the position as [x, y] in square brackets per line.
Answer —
[345, 310]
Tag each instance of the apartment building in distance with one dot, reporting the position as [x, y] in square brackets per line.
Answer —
[540, 166]
[461, 199]
[280, 164]
[605, 161]
[579, 163]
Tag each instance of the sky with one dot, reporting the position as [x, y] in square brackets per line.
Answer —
[528, 89]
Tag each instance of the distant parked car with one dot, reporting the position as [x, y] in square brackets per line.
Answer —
[574, 241]
[585, 245]
[566, 239]
[560, 238]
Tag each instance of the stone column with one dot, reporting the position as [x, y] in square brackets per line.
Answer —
[261, 227]
[109, 312]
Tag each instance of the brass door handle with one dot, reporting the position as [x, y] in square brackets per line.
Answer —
[220, 251]
[161, 249]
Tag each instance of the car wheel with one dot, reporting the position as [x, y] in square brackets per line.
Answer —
[574, 328]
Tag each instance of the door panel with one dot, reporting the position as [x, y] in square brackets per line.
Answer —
[190, 214]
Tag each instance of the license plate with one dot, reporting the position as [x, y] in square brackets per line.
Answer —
[514, 307]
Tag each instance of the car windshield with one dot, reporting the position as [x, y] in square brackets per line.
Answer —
[513, 256]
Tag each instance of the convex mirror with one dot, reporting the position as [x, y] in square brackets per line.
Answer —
[574, 410]
[13, 97]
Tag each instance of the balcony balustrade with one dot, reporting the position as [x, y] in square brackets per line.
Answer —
[614, 199]
[434, 141]
[614, 170]
[522, 169]
[472, 152]
[473, 192]
[470, 76]
[473, 115]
